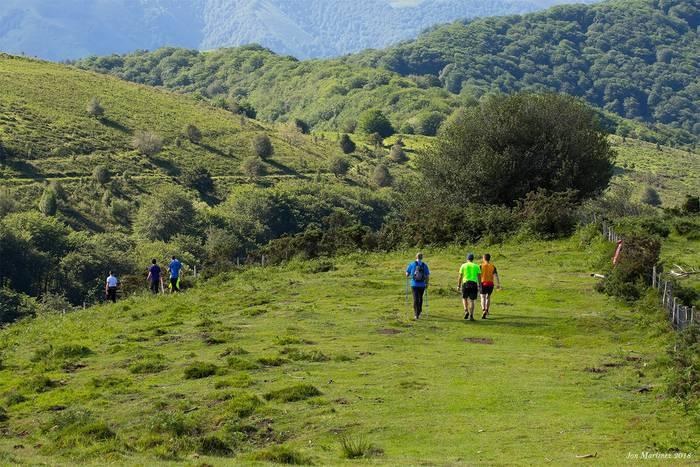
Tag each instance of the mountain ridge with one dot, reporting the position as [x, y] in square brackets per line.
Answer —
[304, 29]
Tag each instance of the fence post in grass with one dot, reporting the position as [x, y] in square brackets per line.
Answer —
[263, 261]
[653, 277]
[663, 297]
[692, 314]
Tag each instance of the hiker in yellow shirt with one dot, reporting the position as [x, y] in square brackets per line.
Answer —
[469, 280]
[488, 275]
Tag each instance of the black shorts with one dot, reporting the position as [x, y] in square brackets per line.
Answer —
[470, 290]
[486, 289]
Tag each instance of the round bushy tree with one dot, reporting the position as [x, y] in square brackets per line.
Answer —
[47, 203]
[253, 167]
[397, 153]
[509, 146]
[101, 174]
[651, 197]
[163, 214]
[339, 166]
[347, 145]
[263, 146]
[381, 176]
[198, 178]
[374, 121]
[193, 133]
[147, 143]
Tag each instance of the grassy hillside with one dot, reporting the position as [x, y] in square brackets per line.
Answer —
[285, 362]
[47, 135]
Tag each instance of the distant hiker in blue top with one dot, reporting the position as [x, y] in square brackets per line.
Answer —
[419, 274]
[175, 267]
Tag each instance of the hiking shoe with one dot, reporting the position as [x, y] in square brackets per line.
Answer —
[466, 315]
[471, 317]
[484, 315]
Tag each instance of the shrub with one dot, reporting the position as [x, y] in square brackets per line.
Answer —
[293, 393]
[376, 140]
[651, 197]
[691, 204]
[301, 126]
[374, 121]
[94, 108]
[339, 166]
[198, 178]
[685, 227]
[262, 146]
[347, 145]
[549, 214]
[164, 214]
[253, 167]
[428, 123]
[632, 274]
[397, 153]
[193, 134]
[101, 174]
[147, 143]
[509, 146]
[282, 455]
[199, 370]
[14, 305]
[381, 176]
[48, 205]
[685, 376]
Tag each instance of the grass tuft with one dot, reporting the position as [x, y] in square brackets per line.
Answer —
[174, 424]
[14, 398]
[243, 405]
[272, 361]
[301, 355]
[356, 447]
[213, 446]
[283, 455]
[237, 363]
[293, 393]
[40, 384]
[63, 352]
[3, 415]
[199, 370]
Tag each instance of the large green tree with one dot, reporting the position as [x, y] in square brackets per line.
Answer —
[509, 146]
[165, 213]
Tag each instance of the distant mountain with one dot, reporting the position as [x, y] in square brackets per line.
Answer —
[69, 29]
[633, 58]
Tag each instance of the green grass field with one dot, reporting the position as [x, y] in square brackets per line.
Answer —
[558, 372]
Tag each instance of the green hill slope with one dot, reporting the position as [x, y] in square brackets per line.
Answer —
[47, 135]
[299, 358]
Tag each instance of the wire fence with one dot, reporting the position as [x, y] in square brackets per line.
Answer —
[680, 316]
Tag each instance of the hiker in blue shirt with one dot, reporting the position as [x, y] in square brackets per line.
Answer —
[419, 274]
[175, 267]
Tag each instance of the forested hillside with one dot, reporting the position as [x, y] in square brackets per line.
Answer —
[634, 58]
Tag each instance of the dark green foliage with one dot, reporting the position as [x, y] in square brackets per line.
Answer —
[428, 123]
[213, 446]
[293, 393]
[262, 146]
[301, 126]
[512, 145]
[283, 455]
[3, 415]
[692, 204]
[635, 59]
[164, 214]
[686, 227]
[381, 176]
[193, 134]
[14, 305]
[631, 276]
[253, 167]
[147, 143]
[549, 214]
[685, 357]
[94, 108]
[199, 370]
[101, 174]
[650, 225]
[374, 121]
[339, 166]
[346, 144]
[651, 197]
[48, 205]
[198, 178]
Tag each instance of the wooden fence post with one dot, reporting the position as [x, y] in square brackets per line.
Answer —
[653, 277]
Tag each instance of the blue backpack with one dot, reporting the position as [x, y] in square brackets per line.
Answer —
[419, 272]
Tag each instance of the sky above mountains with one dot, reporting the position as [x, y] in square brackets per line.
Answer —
[69, 29]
